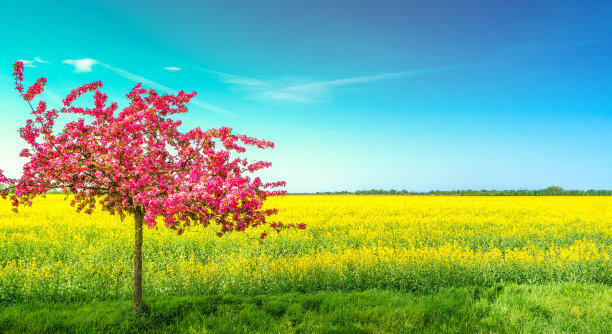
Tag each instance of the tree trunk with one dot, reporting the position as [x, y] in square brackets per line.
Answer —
[137, 292]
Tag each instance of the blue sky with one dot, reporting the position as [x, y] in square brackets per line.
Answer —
[415, 95]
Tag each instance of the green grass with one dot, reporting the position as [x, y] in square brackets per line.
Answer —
[551, 308]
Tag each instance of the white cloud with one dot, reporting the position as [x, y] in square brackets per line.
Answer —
[172, 68]
[147, 82]
[27, 63]
[30, 63]
[81, 65]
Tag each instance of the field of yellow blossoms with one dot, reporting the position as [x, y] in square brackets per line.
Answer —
[412, 243]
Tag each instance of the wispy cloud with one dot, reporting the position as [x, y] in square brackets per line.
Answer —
[321, 90]
[81, 65]
[316, 91]
[147, 82]
[236, 79]
[172, 68]
[211, 107]
[27, 63]
[138, 78]
[300, 92]
[53, 97]
[30, 63]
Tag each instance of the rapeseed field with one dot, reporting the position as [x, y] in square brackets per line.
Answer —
[410, 243]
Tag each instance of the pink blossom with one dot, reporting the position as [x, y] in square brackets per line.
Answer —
[138, 158]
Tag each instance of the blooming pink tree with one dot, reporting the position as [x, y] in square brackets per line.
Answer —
[136, 162]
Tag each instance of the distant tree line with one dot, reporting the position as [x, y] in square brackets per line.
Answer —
[550, 191]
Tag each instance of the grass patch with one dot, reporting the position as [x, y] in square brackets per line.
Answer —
[561, 307]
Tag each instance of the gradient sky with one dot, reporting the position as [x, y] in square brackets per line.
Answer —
[416, 95]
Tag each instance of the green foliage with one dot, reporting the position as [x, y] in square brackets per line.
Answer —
[562, 307]
[550, 191]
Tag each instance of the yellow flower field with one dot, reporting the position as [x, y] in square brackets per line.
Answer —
[417, 243]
